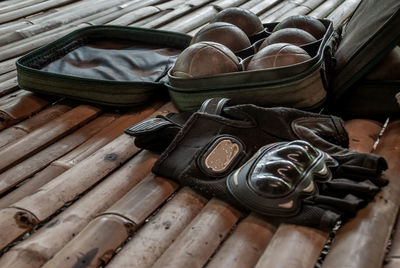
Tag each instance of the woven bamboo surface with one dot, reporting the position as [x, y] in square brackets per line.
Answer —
[76, 192]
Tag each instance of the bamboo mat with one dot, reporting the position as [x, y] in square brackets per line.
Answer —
[76, 192]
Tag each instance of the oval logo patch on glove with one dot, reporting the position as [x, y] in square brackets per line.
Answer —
[221, 155]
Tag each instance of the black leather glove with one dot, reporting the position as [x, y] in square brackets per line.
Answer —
[219, 139]
[293, 182]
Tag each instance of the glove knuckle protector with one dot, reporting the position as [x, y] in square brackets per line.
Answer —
[276, 179]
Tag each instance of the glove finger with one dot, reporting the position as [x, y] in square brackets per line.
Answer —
[341, 187]
[359, 165]
[347, 205]
[312, 216]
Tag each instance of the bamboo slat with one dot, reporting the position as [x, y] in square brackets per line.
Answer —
[142, 200]
[153, 239]
[343, 12]
[363, 134]
[245, 246]
[177, 12]
[130, 211]
[8, 86]
[107, 134]
[192, 20]
[31, 185]
[95, 245]
[22, 12]
[25, 127]
[7, 76]
[223, 4]
[303, 9]
[293, 246]
[45, 243]
[52, 196]
[264, 6]
[394, 251]
[65, 187]
[7, 66]
[38, 161]
[18, 5]
[274, 17]
[13, 223]
[264, 16]
[47, 134]
[122, 10]
[198, 241]
[325, 8]
[18, 106]
[251, 3]
[135, 15]
[362, 241]
[23, 46]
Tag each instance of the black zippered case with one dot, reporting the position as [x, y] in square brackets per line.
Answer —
[127, 66]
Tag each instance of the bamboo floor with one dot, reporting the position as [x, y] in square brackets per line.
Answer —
[76, 192]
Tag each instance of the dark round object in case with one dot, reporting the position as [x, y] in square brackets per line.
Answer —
[306, 23]
[204, 59]
[224, 33]
[292, 36]
[242, 18]
[277, 55]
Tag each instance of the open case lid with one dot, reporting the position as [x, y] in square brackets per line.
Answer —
[109, 65]
[371, 33]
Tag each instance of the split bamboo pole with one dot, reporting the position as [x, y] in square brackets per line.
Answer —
[198, 241]
[135, 15]
[38, 161]
[18, 5]
[294, 239]
[245, 245]
[343, 12]
[293, 246]
[249, 4]
[9, 86]
[175, 13]
[7, 66]
[102, 236]
[363, 141]
[325, 8]
[48, 240]
[7, 76]
[17, 106]
[47, 134]
[55, 194]
[122, 10]
[224, 4]
[192, 20]
[282, 11]
[22, 12]
[64, 17]
[393, 256]
[264, 6]
[271, 11]
[303, 9]
[68, 161]
[156, 235]
[20, 130]
[146, 20]
[362, 241]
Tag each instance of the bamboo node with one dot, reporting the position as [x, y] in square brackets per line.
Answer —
[25, 219]
[111, 157]
[130, 227]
